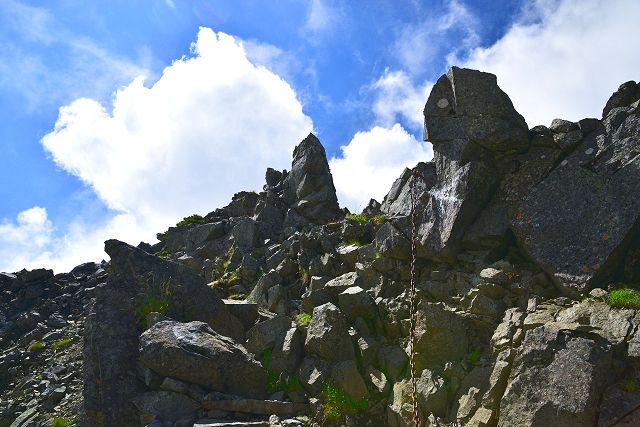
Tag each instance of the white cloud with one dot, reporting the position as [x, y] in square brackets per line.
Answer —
[420, 44]
[209, 127]
[321, 16]
[371, 161]
[565, 58]
[34, 40]
[398, 98]
[25, 238]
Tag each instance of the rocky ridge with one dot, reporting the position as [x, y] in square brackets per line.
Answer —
[282, 309]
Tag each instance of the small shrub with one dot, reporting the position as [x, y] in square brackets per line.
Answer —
[156, 301]
[379, 219]
[63, 422]
[359, 218]
[624, 298]
[474, 356]
[305, 277]
[513, 276]
[191, 219]
[36, 346]
[164, 254]
[630, 386]
[337, 404]
[62, 343]
[303, 318]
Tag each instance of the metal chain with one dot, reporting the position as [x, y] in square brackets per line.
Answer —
[412, 300]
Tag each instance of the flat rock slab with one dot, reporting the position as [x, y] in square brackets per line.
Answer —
[259, 407]
[226, 423]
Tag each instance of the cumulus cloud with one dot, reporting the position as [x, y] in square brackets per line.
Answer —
[564, 58]
[371, 161]
[398, 98]
[420, 43]
[209, 127]
[25, 238]
[321, 16]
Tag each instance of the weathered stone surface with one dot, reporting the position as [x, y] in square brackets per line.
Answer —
[557, 378]
[313, 373]
[253, 406]
[309, 186]
[441, 336]
[345, 376]
[194, 353]
[244, 311]
[599, 180]
[186, 293]
[356, 302]
[163, 406]
[627, 94]
[288, 352]
[264, 335]
[468, 104]
[327, 334]
[431, 395]
[618, 401]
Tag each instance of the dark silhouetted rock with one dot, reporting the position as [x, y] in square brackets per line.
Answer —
[578, 222]
[309, 186]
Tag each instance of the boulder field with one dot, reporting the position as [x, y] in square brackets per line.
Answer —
[282, 309]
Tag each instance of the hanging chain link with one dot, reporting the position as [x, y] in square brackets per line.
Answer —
[412, 300]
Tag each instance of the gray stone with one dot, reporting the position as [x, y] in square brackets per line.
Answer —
[627, 94]
[441, 336]
[557, 378]
[356, 302]
[163, 406]
[288, 352]
[309, 186]
[345, 376]
[244, 311]
[252, 406]
[264, 335]
[327, 334]
[194, 353]
[313, 373]
[583, 254]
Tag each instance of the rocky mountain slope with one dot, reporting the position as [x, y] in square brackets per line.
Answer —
[282, 309]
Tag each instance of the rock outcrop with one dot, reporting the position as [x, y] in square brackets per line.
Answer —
[278, 309]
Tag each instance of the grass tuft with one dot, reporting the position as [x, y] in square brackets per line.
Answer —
[191, 219]
[337, 404]
[62, 343]
[624, 298]
[361, 219]
[36, 346]
[63, 422]
[303, 318]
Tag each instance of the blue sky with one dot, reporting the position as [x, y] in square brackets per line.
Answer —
[91, 150]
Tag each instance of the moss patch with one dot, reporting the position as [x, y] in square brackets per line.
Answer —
[303, 318]
[63, 422]
[337, 404]
[359, 218]
[624, 298]
[62, 343]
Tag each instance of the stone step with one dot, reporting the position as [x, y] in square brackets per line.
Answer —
[232, 423]
[259, 407]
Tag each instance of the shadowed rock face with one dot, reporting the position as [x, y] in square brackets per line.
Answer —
[309, 185]
[114, 325]
[471, 122]
[194, 353]
[579, 221]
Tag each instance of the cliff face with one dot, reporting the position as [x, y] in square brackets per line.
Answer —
[280, 305]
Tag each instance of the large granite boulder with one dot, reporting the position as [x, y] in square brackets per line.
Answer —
[579, 221]
[309, 186]
[474, 130]
[138, 283]
[194, 353]
[327, 334]
[558, 377]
